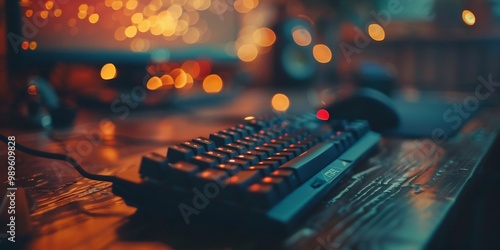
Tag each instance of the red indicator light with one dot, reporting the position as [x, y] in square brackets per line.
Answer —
[323, 115]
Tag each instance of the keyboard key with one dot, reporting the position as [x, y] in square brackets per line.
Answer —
[195, 147]
[247, 143]
[279, 183]
[180, 173]
[289, 177]
[210, 175]
[261, 196]
[313, 160]
[204, 161]
[287, 155]
[242, 163]
[252, 159]
[243, 180]
[231, 169]
[235, 136]
[206, 143]
[151, 166]
[263, 169]
[280, 159]
[261, 155]
[220, 157]
[231, 153]
[238, 147]
[268, 150]
[220, 139]
[273, 164]
[179, 153]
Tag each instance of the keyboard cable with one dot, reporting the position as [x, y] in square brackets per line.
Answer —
[61, 157]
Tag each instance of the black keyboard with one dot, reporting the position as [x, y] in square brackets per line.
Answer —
[264, 173]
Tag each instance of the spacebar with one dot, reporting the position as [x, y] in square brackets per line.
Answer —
[313, 160]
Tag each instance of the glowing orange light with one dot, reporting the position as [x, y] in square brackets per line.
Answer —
[49, 5]
[322, 53]
[144, 26]
[58, 12]
[301, 36]
[116, 5]
[44, 14]
[280, 102]
[167, 80]
[376, 32]
[468, 17]
[192, 68]
[212, 84]
[108, 71]
[107, 127]
[83, 8]
[130, 31]
[248, 118]
[131, 4]
[264, 37]
[33, 45]
[32, 90]
[180, 78]
[25, 45]
[247, 52]
[137, 18]
[323, 114]
[154, 83]
[82, 14]
[254, 188]
[29, 13]
[94, 18]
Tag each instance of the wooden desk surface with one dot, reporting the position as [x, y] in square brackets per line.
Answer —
[398, 198]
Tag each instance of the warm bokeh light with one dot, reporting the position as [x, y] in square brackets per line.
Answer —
[144, 26]
[301, 36]
[376, 32]
[130, 31]
[94, 18]
[167, 80]
[192, 68]
[180, 78]
[247, 52]
[137, 18]
[108, 71]
[49, 5]
[212, 84]
[25, 45]
[44, 14]
[33, 45]
[58, 12]
[323, 114]
[154, 83]
[280, 102]
[29, 13]
[248, 118]
[468, 17]
[322, 53]
[32, 90]
[264, 37]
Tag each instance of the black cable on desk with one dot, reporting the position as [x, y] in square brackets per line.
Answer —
[62, 157]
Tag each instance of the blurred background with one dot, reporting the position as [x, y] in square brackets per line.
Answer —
[92, 52]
